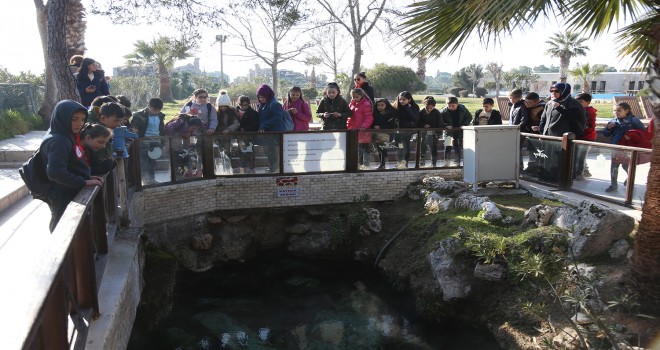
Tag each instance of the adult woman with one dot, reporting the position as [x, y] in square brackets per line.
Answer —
[271, 118]
[361, 82]
[90, 81]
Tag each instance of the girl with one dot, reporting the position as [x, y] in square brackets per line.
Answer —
[248, 121]
[384, 118]
[361, 118]
[94, 138]
[64, 158]
[361, 82]
[333, 109]
[298, 109]
[618, 128]
[407, 115]
[198, 106]
[90, 81]
[227, 115]
[271, 118]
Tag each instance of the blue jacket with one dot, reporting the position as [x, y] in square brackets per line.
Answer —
[83, 82]
[621, 126]
[271, 116]
[63, 157]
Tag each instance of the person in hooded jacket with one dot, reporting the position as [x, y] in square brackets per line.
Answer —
[271, 118]
[64, 158]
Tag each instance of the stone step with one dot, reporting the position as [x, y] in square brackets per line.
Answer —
[11, 165]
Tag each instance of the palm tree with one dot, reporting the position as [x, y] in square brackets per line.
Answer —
[587, 72]
[566, 46]
[442, 32]
[162, 52]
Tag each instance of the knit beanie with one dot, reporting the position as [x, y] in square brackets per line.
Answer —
[223, 99]
[265, 91]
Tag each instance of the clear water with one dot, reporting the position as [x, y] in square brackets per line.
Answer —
[606, 96]
[280, 302]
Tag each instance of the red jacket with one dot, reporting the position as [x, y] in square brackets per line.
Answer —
[589, 133]
[361, 118]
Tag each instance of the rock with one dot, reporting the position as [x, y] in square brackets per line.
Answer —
[214, 220]
[567, 339]
[332, 332]
[202, 242]
[414, 192]
[373, 220]
[321, 240]
[619, 249]
[316, 211]
[432, 204]
[235, 218]
[446, 204]
[469, 201]
[272, 231]
[491, 212]
[489, 272]
[297, 229]
[452, 273]
[539, 215]
[507, 220]
[237, 243]
[442, 186]
[594, 227]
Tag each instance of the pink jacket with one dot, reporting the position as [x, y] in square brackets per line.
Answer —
[300, 120]
[361, 118]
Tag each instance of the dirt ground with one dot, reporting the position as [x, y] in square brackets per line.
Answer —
[516, 312]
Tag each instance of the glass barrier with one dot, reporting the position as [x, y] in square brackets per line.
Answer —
[154, 160]
[601, 172]
[540, 159]
[641, 176]
[246, 153]
[187, 157]
[308, 152]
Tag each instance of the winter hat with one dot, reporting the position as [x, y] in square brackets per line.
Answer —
[223, 99]
[563, 88]
[265, 91]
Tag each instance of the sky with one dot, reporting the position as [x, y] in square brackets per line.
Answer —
[108, 43]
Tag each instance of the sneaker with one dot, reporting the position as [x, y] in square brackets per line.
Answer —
[586, 173]
[611, 189]
[380, 167]
[363, 167]
[402, 165]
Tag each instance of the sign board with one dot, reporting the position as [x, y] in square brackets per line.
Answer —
[288, 192]
[311, 152]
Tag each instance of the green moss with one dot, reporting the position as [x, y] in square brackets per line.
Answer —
[159, 282]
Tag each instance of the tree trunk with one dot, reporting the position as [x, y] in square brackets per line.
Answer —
[646, 258]
[497, 88]
[57, 51]
[51, 89]
[273, 71]
[564, 62]
[421, 68]
[357, 55]
[165, 85]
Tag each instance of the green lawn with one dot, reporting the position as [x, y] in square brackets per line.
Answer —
[172, 109]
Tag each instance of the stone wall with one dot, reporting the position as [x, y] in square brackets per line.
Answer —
[165, 203]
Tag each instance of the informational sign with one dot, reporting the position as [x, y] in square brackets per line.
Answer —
[287, 192]
[310, 152]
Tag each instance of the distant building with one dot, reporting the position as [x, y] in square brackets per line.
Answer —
[604, 83]
[135, 71]
[193, 68]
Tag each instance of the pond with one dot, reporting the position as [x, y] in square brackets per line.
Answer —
[283, 302]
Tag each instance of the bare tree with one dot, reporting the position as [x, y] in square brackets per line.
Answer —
[278, 19]
[496, 71]
[357, 20]
[313, 61]
[333, 50]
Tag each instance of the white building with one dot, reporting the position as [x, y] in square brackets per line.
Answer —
[604, 83]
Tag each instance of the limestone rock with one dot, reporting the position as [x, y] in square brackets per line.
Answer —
[297, 229]
[202, 242]
[452, 273]
[321, 239]
[491, 212]
[469, 201]
[442, 186]
[539, 215]
[414, 192]
[566, 339]
[235, 218]
[489, 272]
[619, 249]
[432, 204]
[374, 224]
[595, 227]
[214, 220]
[237, 243]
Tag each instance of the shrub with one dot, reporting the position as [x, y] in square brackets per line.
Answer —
[455, 90]
[310, 92]
[464, 93]
[480, 92]
[13, 122]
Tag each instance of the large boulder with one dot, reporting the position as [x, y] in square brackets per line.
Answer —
[452, 273]
[321, 240]
[594, 227]
[539, 215]
[470, 201]
[373, 224]
[491, 212]
[442, 186]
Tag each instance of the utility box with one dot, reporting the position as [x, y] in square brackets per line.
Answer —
[491, 153]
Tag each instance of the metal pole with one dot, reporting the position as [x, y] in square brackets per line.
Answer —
[221, 39]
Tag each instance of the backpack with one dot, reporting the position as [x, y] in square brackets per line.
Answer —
[288, 121]
[33, 173]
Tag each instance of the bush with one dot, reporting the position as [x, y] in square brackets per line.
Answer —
[464, 93]
[480, 92]
[310, 92]
[14, 123]
[455, 90]
[247, 89]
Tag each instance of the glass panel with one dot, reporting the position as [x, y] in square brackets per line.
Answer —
[431, 140]
[154, 160]
[601, 174]
[186, 157]
[225, 154]
[403, 142]
[641, 176]
[314, 152]
[246, 154]
[540, 160]
[266, 155]
[383, 152]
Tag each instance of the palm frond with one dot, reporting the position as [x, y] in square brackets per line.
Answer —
[636, 41]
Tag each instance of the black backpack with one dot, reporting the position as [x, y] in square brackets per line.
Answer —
[34, 175]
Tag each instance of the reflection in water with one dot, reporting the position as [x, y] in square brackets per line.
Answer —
[280, 302]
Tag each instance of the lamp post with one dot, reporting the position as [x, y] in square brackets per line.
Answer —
[221, 39]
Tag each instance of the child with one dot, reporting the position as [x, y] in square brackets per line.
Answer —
[361, 118]
[149, 122]
[227, 115]
[407, 115]
[429, 117]
[333, 109]
[198, 106]
[93, 116]
[487, 115]
[384, 118]
[617, 128]
[184, 126]
[111, 116]
[94, 138]
[299, 109]
[589, 134]
[456, 115]
[249, 121]
[64, 158]
[90, 81]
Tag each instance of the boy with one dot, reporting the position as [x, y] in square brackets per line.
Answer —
[149, 122]
[429, 117]
[487, 115]
[456, 116]
[111, 115]
[516, 103]
[589, 134]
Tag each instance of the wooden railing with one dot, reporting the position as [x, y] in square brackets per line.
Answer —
[59, 288]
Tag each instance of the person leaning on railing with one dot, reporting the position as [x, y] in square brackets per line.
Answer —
[271, 118]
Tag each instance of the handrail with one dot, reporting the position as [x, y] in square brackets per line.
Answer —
[60, 282]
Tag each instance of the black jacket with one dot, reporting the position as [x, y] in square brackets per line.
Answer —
[433, 119]
[408, 117]
[338, 105]
[569, 116]
[249, 121]
[494, 119]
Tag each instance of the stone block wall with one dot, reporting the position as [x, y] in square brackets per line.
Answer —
[182, 200]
